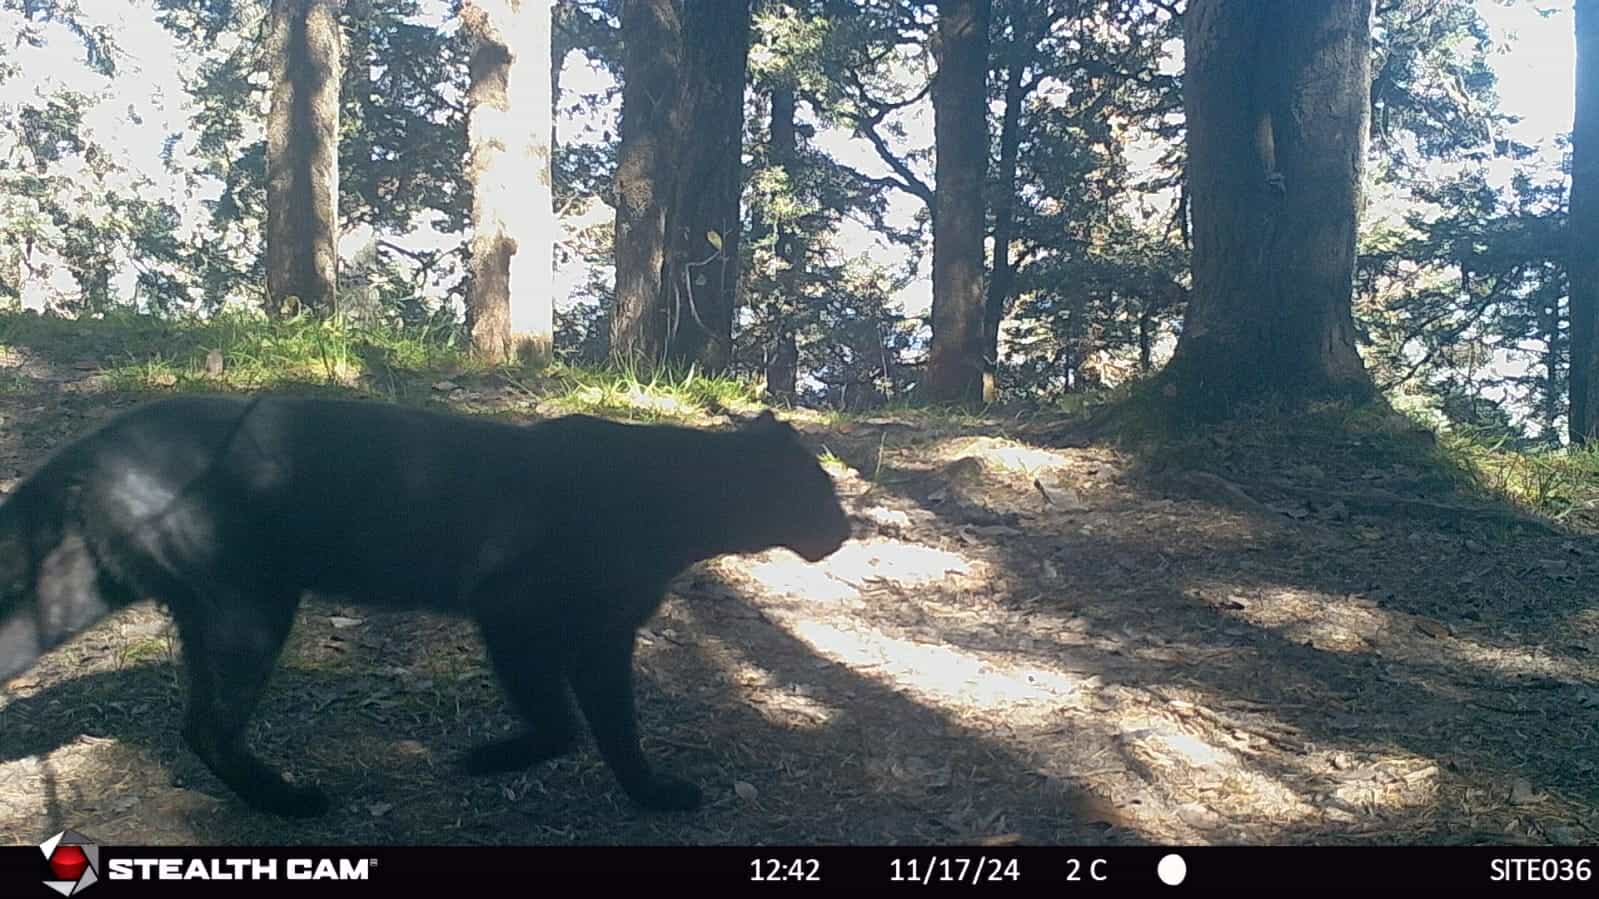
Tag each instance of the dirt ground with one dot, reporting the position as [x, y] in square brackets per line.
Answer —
[1024, 644]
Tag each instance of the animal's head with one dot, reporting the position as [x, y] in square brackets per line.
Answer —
[793, 498]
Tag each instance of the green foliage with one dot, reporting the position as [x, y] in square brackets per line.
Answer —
[402, 123]
[1460, 286]
[1462, 303]
[1432, 89]
[1100, 267]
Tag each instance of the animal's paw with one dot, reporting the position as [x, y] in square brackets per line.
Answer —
[513, 753]
[664, 793]
[290, 801]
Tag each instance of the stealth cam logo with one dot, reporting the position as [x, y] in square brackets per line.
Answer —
[74, 860]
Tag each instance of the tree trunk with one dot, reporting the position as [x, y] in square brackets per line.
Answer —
[652, 70]
[1549, 328]
[1277, 105]
[1582, 267]
[304, 52]
[1002, 279]
[511, 270]
[960, 135]
[701, 289]
[782, 367]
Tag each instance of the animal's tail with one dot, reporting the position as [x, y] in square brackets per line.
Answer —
[33, 620]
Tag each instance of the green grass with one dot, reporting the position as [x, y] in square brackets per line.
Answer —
[142, 352]
[1560, 483]
[664, 395]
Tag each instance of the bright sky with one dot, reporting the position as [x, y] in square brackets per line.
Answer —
[1536, 82]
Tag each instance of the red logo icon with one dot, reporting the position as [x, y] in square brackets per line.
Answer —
[74, 860]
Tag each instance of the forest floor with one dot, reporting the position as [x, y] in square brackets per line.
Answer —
[1263, 636]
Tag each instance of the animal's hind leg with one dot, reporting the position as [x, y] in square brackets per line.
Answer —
[231, 641]
[527, 661]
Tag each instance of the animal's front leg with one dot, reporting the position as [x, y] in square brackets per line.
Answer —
[526, 655]
[602, 678]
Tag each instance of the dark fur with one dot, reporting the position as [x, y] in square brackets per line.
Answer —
[558, 539]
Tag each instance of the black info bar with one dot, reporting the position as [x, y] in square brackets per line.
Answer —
[74, 865]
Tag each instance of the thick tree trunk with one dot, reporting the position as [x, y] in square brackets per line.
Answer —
[960, 134]
[701, 289]
[1582, 269]
[1002, 279]
[304, 52]
[510, 291]
[652, 80]
[782, 366]
[1277, 105]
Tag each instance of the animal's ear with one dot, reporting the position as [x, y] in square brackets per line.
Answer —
[766, 424]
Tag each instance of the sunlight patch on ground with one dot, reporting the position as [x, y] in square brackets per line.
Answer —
[954, 679]
[1352, 624]
[1196, 775]
[856, 564]
[786, 705]
[99, 785]
[660, 404]
[1002, 454]
[1330, 623]
[1531, 661]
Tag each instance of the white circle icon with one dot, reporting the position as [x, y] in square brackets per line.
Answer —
[1171, 870]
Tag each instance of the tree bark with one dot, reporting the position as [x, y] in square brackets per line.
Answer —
[304, 52]
[652, 70]
[511, 269]
[782, 367]
[1549, 330]
[1582, 267]
[1277, 105]
[701, 289]
[1002, 279]
[960, 133]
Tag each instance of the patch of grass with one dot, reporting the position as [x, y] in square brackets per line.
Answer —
[149, 649]
[662, 395]
[137, 351]
[1560, 483]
